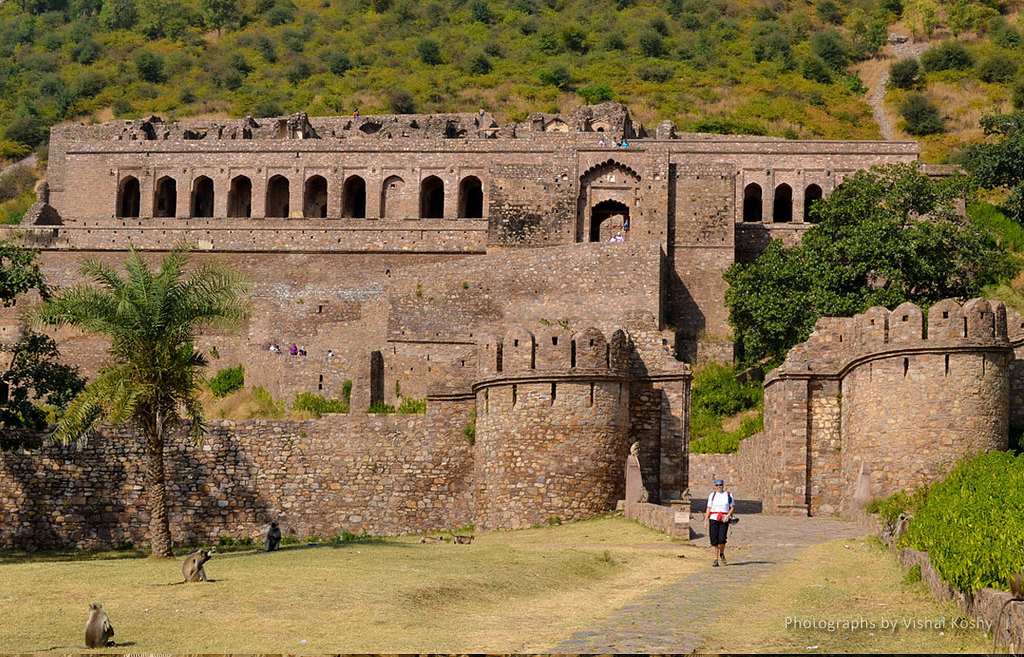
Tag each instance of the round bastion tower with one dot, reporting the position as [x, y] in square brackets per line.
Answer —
[552, 426]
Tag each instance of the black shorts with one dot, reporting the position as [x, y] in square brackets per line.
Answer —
[717, 530]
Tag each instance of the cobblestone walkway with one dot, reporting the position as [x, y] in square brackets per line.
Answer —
[670, 620]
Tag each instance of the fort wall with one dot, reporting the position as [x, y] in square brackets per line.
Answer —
[382, 474]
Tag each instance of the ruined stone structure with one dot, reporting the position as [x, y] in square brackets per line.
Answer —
[552, 276]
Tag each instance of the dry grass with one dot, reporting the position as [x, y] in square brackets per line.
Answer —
[506, 592]
[830, 581]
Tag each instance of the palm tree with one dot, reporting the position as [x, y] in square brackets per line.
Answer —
[152, 375]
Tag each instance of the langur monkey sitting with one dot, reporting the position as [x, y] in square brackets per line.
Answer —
[273, 537]
[193, 569]
[98, 629]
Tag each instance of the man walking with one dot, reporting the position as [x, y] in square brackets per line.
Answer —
[716, 519]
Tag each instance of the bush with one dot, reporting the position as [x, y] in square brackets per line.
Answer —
[717, 390]
[266, 108]
[16, 181]
[950, 55]
[150, 66]
[971, 525]
[279, 15]
[816, 70]
[26, 130]
[480, 64]
[651, 44]
[227, 381]
[401, 101]
[266, 406]
[903, 73]
[997, 67]
[831, 48]
[595, 94]
[337, 61]
[654, 72]
[429, 51]
[557, 75]
[317, 405]
[921, 115]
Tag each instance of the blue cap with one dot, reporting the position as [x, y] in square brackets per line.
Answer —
[719, 481]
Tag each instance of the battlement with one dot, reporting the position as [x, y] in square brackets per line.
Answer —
[554, 350]
[838, 342]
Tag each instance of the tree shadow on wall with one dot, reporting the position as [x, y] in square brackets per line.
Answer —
[214, 493]
[46, 494]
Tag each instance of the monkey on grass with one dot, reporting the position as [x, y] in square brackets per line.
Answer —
[193, 569]
[273, 538]
[98, 629]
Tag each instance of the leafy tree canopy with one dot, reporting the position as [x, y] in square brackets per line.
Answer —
[999, 162]
[887, 235]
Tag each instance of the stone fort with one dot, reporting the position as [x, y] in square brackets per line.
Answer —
[546, 282]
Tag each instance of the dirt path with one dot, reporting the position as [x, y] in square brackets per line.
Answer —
[900, 46]
[670, 620]
[29, 160]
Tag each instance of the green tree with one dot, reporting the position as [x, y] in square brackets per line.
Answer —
[118, 14]
[887, 235]
[150, 66]
[429, 51]
[218, 13]
[19, 273]
[34, 374]
[921, 114]
[903, 73]
[152, 377]
[999, 162]
[958, 17]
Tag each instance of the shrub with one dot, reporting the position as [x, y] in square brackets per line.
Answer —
[921, 115]
[86, 84]
[379, 406]
[429, 51]
[16, 182]
[346, 392]
[227, 381]
[946, 56]
[903, 73]
[279, 15]
[118, 14]
[829, 12]
[150, 66]
[595, 94]
[654, 72]
[265, 404]
[480, 64]
[412, 405]
[831, 48]
[557, 75]
[317, 405]
[298, 71]
[26, 130]
[469, 431]
[337, 61]
[816, 70]
[997, 67]
[651, 44]
[970, 524]
[266, 108]
[480, 11]
[401, 101]
[717, 390]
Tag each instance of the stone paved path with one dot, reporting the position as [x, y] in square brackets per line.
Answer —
[670, 619]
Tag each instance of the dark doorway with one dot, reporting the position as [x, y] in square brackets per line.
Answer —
[782, 206]
[431, 198]
[240, 197]
[811, 196]
[471, 198]
[128, 197]
[609, 222]
[752, 203]
[376, 378]
[355, 198]
[277, 197]
[202, 197]
[165, 201]
[315, 198]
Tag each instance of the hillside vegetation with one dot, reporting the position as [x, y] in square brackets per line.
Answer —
[680, 59]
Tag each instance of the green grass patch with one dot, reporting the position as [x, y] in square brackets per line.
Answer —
[718, 397]
[506, 592]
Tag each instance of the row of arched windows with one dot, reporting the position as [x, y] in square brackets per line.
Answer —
[782, 206]
[314, 198]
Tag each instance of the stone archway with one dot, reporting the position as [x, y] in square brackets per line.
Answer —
[609, 221]
[607, 193]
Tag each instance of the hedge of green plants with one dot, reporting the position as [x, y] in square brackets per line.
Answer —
[971, 523]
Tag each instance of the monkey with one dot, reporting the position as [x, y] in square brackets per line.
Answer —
[193, 566]
[634, 449]
[432, 539]
[901, 525]
[273, 538]
[98, 629]
[458, 539]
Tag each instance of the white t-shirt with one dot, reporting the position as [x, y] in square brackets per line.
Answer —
[719, 504]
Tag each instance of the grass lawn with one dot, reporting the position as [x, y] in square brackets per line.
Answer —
[844, 582]
[520, 591]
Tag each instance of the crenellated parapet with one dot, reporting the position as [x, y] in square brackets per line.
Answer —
[837, 343]
[888, 400]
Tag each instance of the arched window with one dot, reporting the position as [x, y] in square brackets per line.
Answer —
[202, 197]
[811, 196]
[314, 202]
[431, 198]
[390, 197]
[354, 201]
[782, 207]
[471, 198]
[752, 203]
[277, 197]
[165, 198]
[128, 197]
[240, 197]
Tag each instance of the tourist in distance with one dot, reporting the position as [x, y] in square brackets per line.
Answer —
[716, 519]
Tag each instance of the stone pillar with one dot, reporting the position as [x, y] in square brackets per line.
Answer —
[634, 487]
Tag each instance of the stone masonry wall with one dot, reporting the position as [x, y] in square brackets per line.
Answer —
[383, 474]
